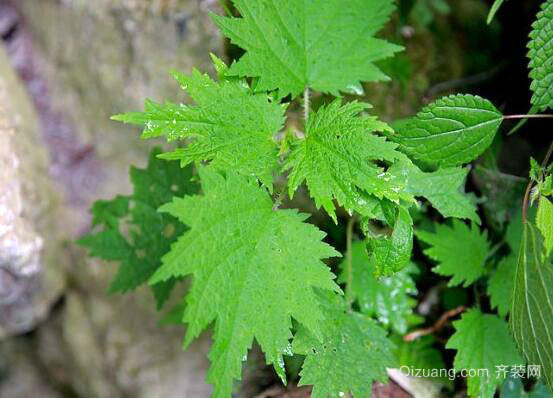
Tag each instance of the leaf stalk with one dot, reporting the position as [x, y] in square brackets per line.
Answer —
[528, 116]
[306, 100]
[349, 233]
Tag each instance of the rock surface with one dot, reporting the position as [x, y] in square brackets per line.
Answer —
[101, 58]
[84, 61]
[22, 378]
[31, 267]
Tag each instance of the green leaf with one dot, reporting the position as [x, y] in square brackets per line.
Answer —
[253, 270]
[443, 188]
[450, 131]
[353, 352]
[546, 187]
[338, 158]
[145, 235]
[424, 11]
[540, 390]
[459, 250]
[540, 53]
[230, 126]
[390, 300]
[108, 244]
[499, 191]
[493, 10]
[483, 341]
[544, 222]
[327, 45]
[419, 354]
[501, 284]
[514, 232]
[513, 388]
[109, 212]
[532, 308]
[536, 170]
[391, 254]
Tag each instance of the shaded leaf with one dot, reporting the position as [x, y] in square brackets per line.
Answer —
[532, 305]
[391, 254]
[513, 388]
[514, 232]
[390, 300]
[132, 232]
[419, 354]
[501, 284]
[499, 191]
[460, 251]
[483, 341]
[353, 352]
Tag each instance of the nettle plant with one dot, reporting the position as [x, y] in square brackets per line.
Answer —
[258, 272]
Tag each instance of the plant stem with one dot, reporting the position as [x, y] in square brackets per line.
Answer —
[532, 111]
[494, 249]
[278, 200]
[544, 116]
[476, 296]
[306, 104]
[440, 323]
[349, 233]
[525, 201]
[547, 156]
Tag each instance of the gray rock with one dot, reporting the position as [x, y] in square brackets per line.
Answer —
[84, 61]
[114, 347]
[30, 233]
[105, 57]
[23, 379]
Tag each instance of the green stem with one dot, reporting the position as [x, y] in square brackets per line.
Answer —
[306, 104]
[349, 233]
[547, 156]
[533, 110]
[540, 116]
[525, 202]
[278, 198]
[477, 296]
[494, 249]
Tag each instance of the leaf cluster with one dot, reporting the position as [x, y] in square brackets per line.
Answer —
[260, 273]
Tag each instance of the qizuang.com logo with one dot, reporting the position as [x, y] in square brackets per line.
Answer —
[450, 374]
